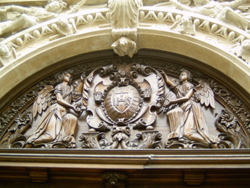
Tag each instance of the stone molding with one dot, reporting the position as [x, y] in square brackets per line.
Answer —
[32, 46]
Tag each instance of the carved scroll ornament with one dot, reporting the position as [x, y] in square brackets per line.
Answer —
[121, 106]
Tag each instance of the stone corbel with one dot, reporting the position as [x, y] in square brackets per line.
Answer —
[124, 17]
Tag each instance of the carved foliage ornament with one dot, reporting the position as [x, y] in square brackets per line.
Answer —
[126, 106]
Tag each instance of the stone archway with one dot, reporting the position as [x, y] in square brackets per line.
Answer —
[40, 53]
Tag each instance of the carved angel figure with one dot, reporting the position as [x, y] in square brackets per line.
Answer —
[30, 15]
[60, 120]
[223, 11]
[187, 118]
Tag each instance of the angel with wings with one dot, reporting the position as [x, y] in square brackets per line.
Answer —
[187, 119]
[60, 120]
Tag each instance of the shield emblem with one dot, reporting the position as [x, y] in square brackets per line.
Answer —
[122, 102]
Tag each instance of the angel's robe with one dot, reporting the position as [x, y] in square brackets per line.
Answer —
[194, 126]
[57, 123]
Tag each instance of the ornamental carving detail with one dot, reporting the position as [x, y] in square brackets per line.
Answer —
[133, 104]
[225, 24]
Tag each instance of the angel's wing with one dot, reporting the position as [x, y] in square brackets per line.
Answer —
[205, 94]
[43, 100]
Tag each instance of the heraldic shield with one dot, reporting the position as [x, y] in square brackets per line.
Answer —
[124, 95]
[122, 102]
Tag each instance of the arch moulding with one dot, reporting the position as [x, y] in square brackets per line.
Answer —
[156, 45]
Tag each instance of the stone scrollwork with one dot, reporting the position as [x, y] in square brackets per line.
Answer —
[124, 106]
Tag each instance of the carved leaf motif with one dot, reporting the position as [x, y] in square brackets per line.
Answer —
[223, 32]
[151, 16]
[147, 140]
[99, 18]
[46, 30]
[27, 38]
[169, 17]
[205, 25]
[14, 137]
[81, 20]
